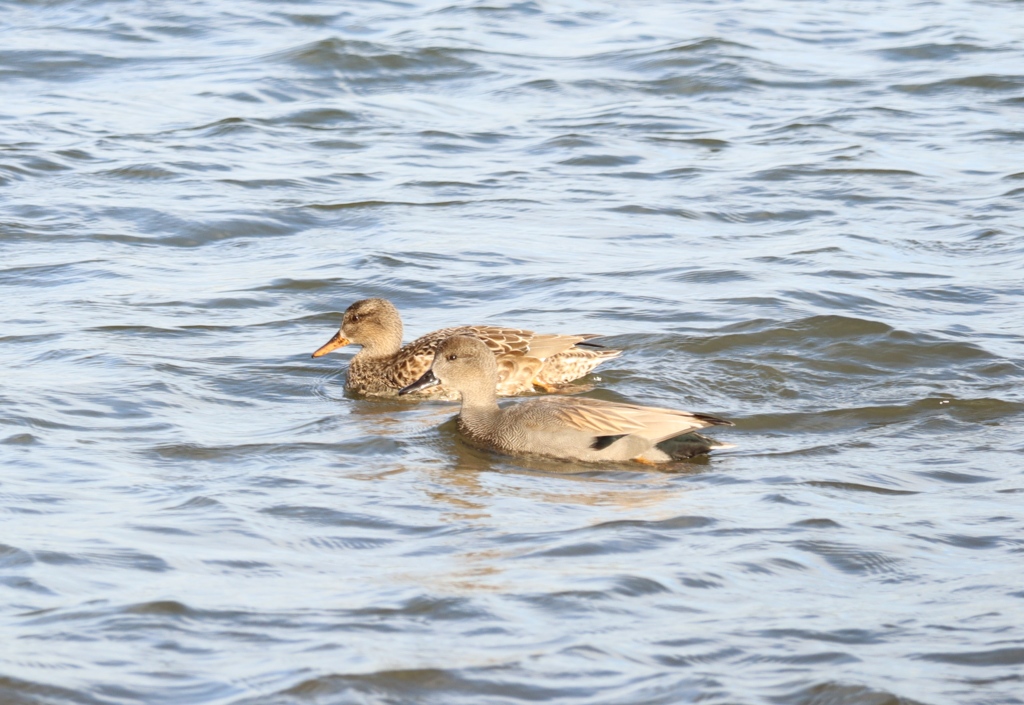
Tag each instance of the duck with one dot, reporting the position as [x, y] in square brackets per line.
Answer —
[581, 429]
[526, 361]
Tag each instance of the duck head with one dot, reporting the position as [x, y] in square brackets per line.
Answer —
[462, 363]
[372, 323]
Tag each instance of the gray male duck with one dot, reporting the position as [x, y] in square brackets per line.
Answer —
[566, 428]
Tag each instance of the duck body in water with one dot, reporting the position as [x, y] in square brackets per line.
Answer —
[566, 428]
[525, 360]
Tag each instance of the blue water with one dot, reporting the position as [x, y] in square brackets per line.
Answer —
[801, 216]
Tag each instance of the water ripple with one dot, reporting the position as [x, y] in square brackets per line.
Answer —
[802, 217]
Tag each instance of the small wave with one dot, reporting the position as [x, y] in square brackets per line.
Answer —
[644, 210]
[381, 204]
[857, 487]
[1010, 656]
[683, 56]
[987, 83]
[854, 559]
[18, 691]
[932, 51]
[55, 65]
[140, 172]
[419, 685]
[374, 67]
[838, 693]
[975, 411]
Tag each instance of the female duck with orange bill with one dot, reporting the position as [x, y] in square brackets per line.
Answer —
[525, 360]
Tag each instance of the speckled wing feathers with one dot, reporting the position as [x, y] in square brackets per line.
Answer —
[524, 358]
[502, 341]
[572, 364]
[516, 373]
[549, 345]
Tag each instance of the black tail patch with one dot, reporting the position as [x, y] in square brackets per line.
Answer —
[602, 442]
[713, 420]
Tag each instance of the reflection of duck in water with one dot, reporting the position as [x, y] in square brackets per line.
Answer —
[524, 359]
[569, 428]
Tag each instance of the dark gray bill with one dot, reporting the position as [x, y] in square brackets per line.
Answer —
[426, 381]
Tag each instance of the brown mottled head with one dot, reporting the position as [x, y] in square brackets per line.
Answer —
[372, 323]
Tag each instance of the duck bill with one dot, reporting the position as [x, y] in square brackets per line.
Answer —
[338, 341]
[425, 382]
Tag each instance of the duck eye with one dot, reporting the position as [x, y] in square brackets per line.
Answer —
[355, 318]
[453, 356]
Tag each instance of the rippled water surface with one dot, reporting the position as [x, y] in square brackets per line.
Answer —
[802, 216]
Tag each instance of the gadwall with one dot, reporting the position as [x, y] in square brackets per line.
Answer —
[524, 359]
[567, 428]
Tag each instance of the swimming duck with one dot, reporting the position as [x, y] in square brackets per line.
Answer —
[566, 428]
[524, 359]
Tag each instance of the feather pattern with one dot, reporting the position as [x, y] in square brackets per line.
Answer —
[605, 418]
[569, 428]
[525, 359]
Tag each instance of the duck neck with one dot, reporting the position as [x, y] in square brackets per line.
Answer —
[479, 413]
[385, 345]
